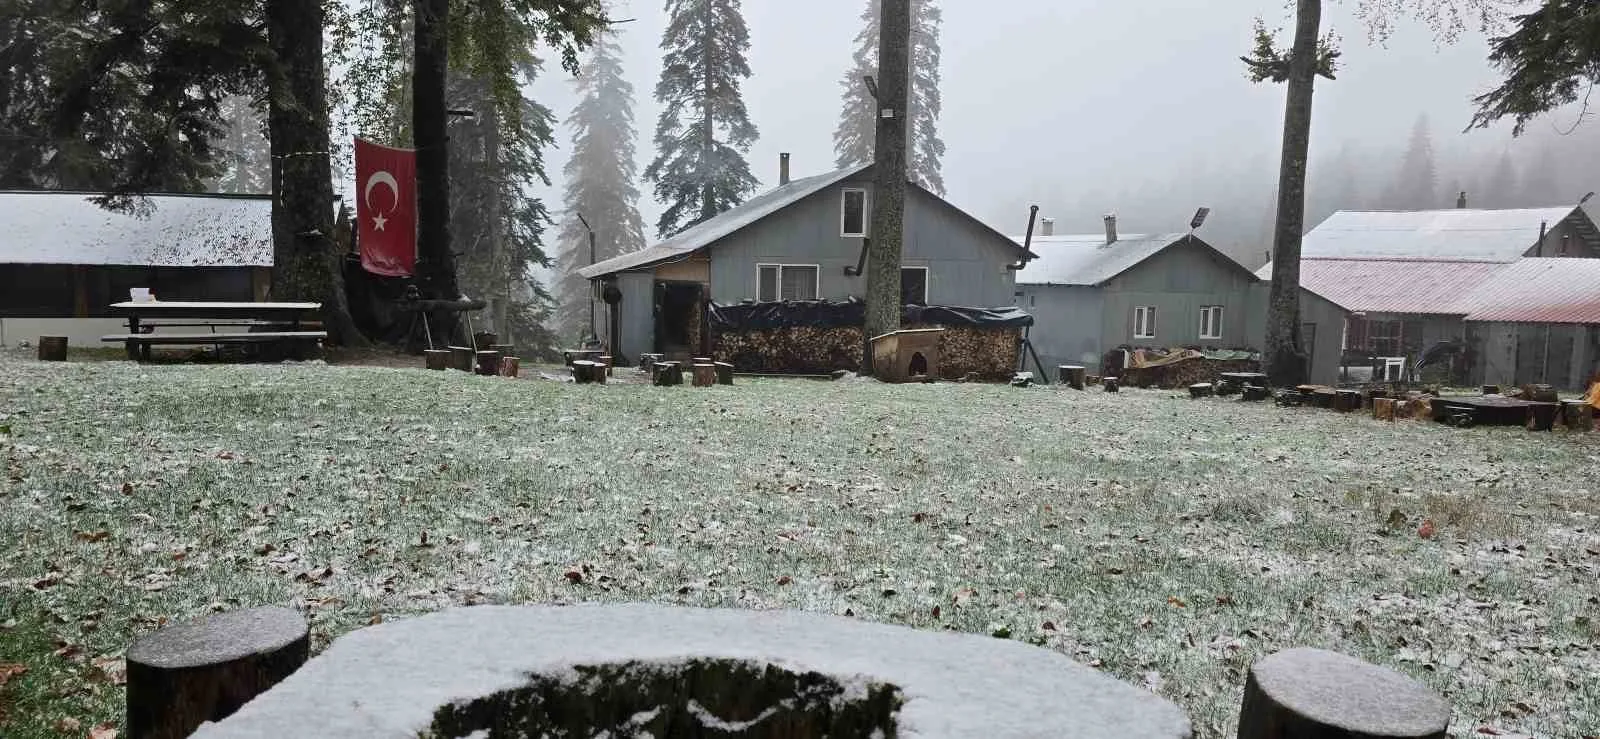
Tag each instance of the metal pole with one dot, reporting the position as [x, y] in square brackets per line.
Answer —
[594, 336]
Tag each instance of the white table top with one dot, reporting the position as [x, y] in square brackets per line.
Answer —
[204, 305]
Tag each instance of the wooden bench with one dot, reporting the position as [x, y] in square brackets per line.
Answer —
[145, 341]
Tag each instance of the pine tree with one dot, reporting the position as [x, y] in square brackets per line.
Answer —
[1416, 184]
[600, 176]
[696, 173]
[244, 150]
[1502, 190]
[852, 140]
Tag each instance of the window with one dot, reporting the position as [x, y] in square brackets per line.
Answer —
[853, 212]
[1211, 322]
[787, 282]
[1144, 322]
[1383, 338]
[914, 285]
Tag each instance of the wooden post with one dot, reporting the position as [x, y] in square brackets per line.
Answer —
[705, 374]
[52, 348]
[509, 366]
[1317, 694]
[437, 359]
[605, 359]
[1072, 375]
[488, 362]
[462, 357]
[724, 373]
[667, 374]
[204, 670]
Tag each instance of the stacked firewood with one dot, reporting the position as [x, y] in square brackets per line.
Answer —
[1186, 373]
[988, 354]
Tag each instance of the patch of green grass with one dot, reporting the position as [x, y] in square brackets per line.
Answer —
[1166, 541]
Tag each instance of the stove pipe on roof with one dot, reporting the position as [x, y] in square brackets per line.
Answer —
[1111, 228]
[1461, 200]
[783, 169]
[1047, 226]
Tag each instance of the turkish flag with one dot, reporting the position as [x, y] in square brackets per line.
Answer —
[386, 208]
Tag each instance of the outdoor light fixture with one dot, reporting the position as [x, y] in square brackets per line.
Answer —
[1199, 218]
[1586, 198]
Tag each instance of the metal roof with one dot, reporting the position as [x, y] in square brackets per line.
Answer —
[1457, 234]
[1540, 290]
[181, 231]
[705, 233]
[1393, 285]
[1086, 259]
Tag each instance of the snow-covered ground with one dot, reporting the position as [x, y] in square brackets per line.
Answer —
[1167, 541]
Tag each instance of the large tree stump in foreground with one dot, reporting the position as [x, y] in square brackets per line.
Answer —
[1317, 694]
[1072, 375]
[705, 375]
[587, 371]
[204, 670]
[666, 374]
[52, 348]
[651, 670]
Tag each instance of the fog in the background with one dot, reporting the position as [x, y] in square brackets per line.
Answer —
[1141, 108]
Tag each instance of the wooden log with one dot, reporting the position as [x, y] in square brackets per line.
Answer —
[1383, 409]
[605, 359]
[1074, 376]
[1022, 379]
[485, 339]
[1255, 392]
[705, 374]
[667, 374]
[701, 360]
[437, 359]
[1347, 401]
[1540, 393]
[52, 348]
[1201, 390]
[586, 371]
[647, 362]
[510, 366]
[724, 373]
[462, 358]
[204, 670]
[1110, 384]
[572, 355]
[1543, 417]
[1577, 415]
[488, 362]
[1491, 389]
[1317, 694]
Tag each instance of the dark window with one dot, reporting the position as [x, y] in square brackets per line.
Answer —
[1384, 338]
[786, 282]
[914, 285]
[853, 213]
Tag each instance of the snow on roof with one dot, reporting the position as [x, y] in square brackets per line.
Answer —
[1540, 290]
[1460, 233]
[1393, 285]
[181, 231]
[705, 233]
[1086, 259]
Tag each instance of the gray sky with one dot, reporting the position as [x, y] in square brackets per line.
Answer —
[1049, 101]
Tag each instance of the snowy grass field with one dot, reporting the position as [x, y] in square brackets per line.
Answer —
[1167, 541]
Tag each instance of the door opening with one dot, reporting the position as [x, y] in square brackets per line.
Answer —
[680, 318]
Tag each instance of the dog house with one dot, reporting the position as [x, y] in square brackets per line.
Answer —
[906, 355]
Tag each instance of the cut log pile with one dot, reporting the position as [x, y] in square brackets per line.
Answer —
[988, 354]
[1186, 373]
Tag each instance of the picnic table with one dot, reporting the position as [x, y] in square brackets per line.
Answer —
[285, 319]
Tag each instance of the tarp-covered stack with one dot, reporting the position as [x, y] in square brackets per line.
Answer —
[1176, 368]
[819, 336]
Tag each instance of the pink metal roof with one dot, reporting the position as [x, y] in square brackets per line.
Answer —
[1394, 286]
[1540, 290]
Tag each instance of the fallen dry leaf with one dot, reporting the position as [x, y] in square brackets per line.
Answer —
[111, 669]
[1426, 530]
[69, 725]
[785, 580]
[106, 730]
[1176, 601]
[574, 575]
[92, 536]
[10, 670]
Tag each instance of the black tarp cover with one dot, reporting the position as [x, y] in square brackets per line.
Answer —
[834, 314]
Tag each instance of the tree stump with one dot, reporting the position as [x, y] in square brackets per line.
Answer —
[1383, 409]
[1072, 375]
[647, 362]
[1110, 384]
[666, 374]
[587, 371]
[52, 348]
[488, 362]
[1542, 417]
[509, 366]
[462, 358]
[1317, 694]
[1347, 401]
[1491, 389]
[1255, 392]
[1577, 415]
[705, 374]
[437, 359]
[485, 339]
[1540, 393]
[701, 360]
[606, 360]
[204, 670]
[724, 373]
[1201, 390]
[506, 350]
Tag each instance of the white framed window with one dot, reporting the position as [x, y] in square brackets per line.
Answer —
[914, 285]
[788, 282]
[1210, 321]
[1144, 322]
[853, 212]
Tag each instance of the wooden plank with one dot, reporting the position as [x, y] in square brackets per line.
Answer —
[205, 305]
[215, 338]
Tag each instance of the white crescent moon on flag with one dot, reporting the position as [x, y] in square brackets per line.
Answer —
[382, 178]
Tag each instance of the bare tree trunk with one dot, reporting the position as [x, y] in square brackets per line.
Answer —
[306, 261]
[504, 268]
[708, 134]
[436, 264]
[889, 163]
[1283, 356]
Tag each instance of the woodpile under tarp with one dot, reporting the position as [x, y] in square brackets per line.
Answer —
[1177, 368]
[819, 337]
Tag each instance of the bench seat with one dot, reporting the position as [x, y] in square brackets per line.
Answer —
[244, 338]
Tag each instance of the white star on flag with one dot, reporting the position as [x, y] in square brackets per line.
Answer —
[378, 221]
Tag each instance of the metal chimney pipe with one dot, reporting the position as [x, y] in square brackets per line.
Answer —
[1047, 226]
[1461, 200]
[783, 169]
[1111, 228]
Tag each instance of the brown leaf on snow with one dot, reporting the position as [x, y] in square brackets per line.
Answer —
[963, 595]
[785, 580]
[92, 536]
[106, 730]
[127, 488]
[10, 670]
[935, 611]
[377, 618]
[574, 575]
[1176, 601]
[919, 517]
[68, 725]
[113, 670]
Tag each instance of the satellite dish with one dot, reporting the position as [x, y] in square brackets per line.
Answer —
[1199, 218]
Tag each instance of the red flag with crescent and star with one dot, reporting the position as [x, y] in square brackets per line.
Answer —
[386, 208]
